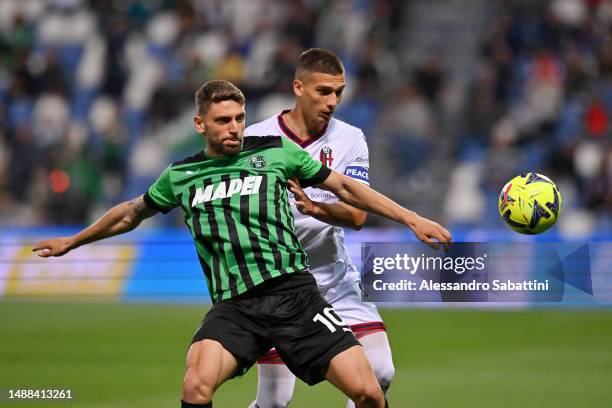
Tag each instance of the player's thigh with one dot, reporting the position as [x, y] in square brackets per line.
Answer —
[210, 363]
[231, 330]
[351, 372]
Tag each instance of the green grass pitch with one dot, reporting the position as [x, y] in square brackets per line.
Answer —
[118, 355]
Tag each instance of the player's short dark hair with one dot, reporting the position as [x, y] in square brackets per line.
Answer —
[217, 90]
[319, 60]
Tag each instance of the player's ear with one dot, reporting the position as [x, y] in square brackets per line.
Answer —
[298, 87]
[198, 124]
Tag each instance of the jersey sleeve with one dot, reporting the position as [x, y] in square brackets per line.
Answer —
[358, 166]
[301, 165]
[160, 196]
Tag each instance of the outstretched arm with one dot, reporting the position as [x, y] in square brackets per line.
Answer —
[121, 218]
[339, 213]
[358, 195]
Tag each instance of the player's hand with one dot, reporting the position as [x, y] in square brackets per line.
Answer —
[302, 202]
[428, 231]
[52, 247]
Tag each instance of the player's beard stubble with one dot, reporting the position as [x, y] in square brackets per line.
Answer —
[224, 145]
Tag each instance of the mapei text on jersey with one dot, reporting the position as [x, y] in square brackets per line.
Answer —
[247, 186]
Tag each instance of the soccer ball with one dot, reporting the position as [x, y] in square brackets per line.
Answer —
[530, 203]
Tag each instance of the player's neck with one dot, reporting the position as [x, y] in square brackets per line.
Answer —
[297, 122]
[211, 153]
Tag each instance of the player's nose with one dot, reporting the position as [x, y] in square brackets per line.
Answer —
[331, 103]
[233, 126]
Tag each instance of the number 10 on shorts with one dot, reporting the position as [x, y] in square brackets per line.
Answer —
[331, 320]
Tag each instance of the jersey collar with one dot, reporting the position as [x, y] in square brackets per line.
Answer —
[291, 135]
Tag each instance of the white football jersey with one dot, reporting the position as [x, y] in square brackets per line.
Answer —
[342, 148]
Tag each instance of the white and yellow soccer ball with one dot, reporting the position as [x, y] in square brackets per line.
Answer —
[530, 203]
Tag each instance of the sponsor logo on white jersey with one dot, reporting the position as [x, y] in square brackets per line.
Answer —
[358, 172]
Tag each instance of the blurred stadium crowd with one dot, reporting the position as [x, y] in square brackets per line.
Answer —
[455, 97]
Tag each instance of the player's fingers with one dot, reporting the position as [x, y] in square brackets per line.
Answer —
[440, 236]
[445, 244]
[295, 181]
[430, 242]
[44, 253]
[294, 185]
[39, 245]
[447, 235]
[298, 197]
[296, 190]
[443, 236]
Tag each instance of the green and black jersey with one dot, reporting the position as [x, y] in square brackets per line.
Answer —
[238, 212]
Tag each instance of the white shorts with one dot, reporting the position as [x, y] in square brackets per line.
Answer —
[345, 297]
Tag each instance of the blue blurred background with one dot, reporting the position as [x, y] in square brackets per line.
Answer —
[96, 98]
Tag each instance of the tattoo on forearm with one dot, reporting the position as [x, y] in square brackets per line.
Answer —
[138, 206]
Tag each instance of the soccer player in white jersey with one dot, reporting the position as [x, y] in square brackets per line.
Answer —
[320, 217]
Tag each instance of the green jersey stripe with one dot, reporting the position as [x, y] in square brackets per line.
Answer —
[220, 235]
[205, 268]
[245, 214]
[210, 246]
[280, 233]
[300, 252]
[213, 276]
[216, 237]
[288, 221]
[237, 247]
[289, 227]
[263, 222]
[233, 281]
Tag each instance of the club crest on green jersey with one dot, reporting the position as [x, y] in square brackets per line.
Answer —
[257, 162]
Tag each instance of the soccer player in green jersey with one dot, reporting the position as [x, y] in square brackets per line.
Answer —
[233, 195]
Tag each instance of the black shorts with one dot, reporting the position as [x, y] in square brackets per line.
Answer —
[302, 326]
